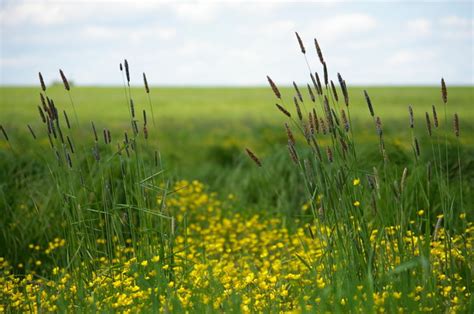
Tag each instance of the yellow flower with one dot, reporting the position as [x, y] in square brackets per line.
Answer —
[462, 216]
[356, 203]
[144, 263]
[356, 181]
[421, 212]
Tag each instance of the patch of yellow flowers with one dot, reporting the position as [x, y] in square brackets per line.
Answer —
[226, 261]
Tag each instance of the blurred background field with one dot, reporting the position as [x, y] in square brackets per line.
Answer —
[201, 133]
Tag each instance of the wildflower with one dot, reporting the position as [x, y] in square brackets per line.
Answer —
[356, 203]
[144, 263]
[356, 182]
[421, 212]
[462, 216]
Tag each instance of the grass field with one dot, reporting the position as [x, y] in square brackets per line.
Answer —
[236, 237]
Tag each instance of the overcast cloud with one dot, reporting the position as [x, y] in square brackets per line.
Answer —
[235, 43]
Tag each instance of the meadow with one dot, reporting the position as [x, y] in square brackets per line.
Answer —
[362, 215]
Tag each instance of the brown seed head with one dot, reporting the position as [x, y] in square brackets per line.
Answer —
[43, 85]
[298, 109]
[456, 125]
[318, 81]
[65, 82]
[444, 91]
[147, 89]
[344, 120]
[318, 51]
[292, 151]
[428, 123]
[311, 95]
[300, 42]
[285, 112]
[127, 72]
[297, 91]
[67, 119]
[43, 118]
[253, 157]
[326, 77]
[378, 126]
[369, 103]
[334, 91]
[435, 117]
[412, 119]
[274, 87]
[289, 134]
[329, 153]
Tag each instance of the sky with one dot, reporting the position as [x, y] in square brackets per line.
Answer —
[208, 43]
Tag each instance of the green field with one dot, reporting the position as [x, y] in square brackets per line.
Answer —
[201, 134]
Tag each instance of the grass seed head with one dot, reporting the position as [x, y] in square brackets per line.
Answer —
[435, 117]
[334, 91]
[444, 91]
[297, 91]
[318, 51]
[369, 103]
[298, 109]
[253, 157]
[326, 75]
[412, 119]
[127, 71]
[293, 153]
[41, 113]
[65, 81]
[274, 87]
[289, 134]
[428, 123]
[43, 85]
[318, 81]
[311, 95]
[456, 125]
[283, 110]
[147, 89]
[4, 132]
[300, 42]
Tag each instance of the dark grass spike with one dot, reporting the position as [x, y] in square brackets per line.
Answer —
[300, 42]
[289, 134]
[145, 132]
[314, 82]
[311, 123]
[95, 132]
[344, 120]
[43, 85]
[444, 91]
[428, 123]
[323, 126]
[105, 136]
[311, 95]
[343, 86]
[43, 101]
[71, 147]
[48, 124]
[135, 126]
[293, 153]
[127, 72]
[125, 141]
[67, 119]
[435, 117]
[318, 81]
[412, 119]
[298, 109]
[326, 75]
[334, 91]
[327, 110]
[144, 117]
[41, 113]
[343, 146]
[4, 132]
[316, 121]
[297, 91]
[456, 124]
[132, 108]
[417, 147]
[274, 87]
[147, 89]
[253, 157]
[69, 161]
[318, 51]
[334, 116]
[329, 153]
[378, 126]
[120, 67]
[65, 81]
[156, 158]
[109, 136]
[60, 132]
[50, 141]
[369, 103]
[285, 112]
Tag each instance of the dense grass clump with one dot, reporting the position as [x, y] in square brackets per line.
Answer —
[346, 204]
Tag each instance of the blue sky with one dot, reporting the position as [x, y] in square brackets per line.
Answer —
[236, 43]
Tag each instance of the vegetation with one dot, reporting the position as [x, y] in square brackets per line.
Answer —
[349, 202]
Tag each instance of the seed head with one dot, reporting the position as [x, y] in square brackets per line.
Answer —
[253, 157]
[127, 72]
[326, 79]
[311, 95]
[435, 117]
[65, 82]
[318, 81]
[412, 119]
[297, 91]
[428, 123]
[444, 91]
[292, 151]
[369, 103]
[300, 42]
[43, 85]
[456, 125]
[298, 109]
[274, 87]
[285, 112]
[289, 134]
[147, 89]
[334, 91]
[318, 51]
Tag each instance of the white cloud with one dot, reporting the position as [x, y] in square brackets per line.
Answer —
[410, 57]
[343, 25]
[419, 27]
